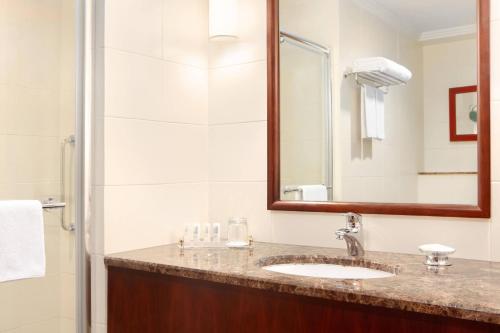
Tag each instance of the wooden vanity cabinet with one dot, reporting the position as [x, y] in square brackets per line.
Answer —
[142, 302]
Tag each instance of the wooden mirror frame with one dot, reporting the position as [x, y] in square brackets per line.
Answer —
[481, 210]
[453, 93]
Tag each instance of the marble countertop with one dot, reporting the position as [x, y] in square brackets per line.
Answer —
[468, 289]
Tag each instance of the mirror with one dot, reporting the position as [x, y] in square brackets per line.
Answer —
[379, 106]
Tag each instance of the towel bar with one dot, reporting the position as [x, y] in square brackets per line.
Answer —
[52, 204]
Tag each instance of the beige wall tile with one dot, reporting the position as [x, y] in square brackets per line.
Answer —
[99, 280]
[68, 292]
[145, 88]
[67, 325]
[32, 158]
[450, 159]
[134, 25]
[185, 94]
[146, 152]
[134, 86]
[238, 152]
[67, 250]
[28, 301]
[314, 229]
[251, 44]
[30, 111]
[495, 141]
[47, 326]
[144, 216]
[33, 53]
[99, 328]
[495, 61]
[238, 93]
[405, 234]
[495, 10]
[246, 199]
[495, 222]
[186, 45]
[446, 189]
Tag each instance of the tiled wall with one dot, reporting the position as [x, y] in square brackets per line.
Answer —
[147, 185]
[378, 170]
[440, 73]
[36, 112]
[151, 133]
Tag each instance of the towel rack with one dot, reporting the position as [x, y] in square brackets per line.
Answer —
[291, 189]
[375, 79]
[50, 203]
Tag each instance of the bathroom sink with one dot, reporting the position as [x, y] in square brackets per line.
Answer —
[329, 271]
[324, 267]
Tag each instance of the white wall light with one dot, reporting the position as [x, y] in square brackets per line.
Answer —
[223, 19]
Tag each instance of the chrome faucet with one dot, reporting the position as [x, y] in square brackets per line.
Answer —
[353, 235]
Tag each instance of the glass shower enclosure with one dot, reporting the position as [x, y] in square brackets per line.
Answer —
[40, 111]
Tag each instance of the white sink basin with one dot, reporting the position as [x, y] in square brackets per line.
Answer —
[331, 271]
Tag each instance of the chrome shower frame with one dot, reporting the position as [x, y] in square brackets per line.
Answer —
[82, 174]
[284, 36]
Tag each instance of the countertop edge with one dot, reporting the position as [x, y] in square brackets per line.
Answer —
[289, 288]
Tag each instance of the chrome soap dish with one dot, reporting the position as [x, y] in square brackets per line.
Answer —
[436, 254]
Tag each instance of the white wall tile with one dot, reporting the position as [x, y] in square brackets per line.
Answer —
[134, 25]
[99, 290]
[134, 86]
[97, 227]
[313, 229]
[246, 199]
[495, 221]
[495, 10]
[185, 94]
[238, 152]
[146, 152]
[495, 141]
[495, 61]
[447, 189]
[145, 88]
[144, 216]
[404, 234]
[186, 45]
[251, 44]
[238, 93]
[99, 328]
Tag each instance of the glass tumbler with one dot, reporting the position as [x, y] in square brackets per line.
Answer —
[237, 232]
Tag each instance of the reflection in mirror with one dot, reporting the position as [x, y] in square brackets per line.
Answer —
[463, 113]
[365, 101]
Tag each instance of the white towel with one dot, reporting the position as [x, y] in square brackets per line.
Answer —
[314, 192]
[372, 113]
[22, 245]
[384, 65]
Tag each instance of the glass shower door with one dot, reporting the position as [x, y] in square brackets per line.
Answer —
[37, 154]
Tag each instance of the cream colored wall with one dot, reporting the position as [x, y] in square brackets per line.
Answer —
[36, 69]
[440, 154]
[378, 170]
[441, 74]
[151, 133]
[236, 150]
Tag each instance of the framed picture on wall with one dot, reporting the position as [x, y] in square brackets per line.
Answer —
[463, 113]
